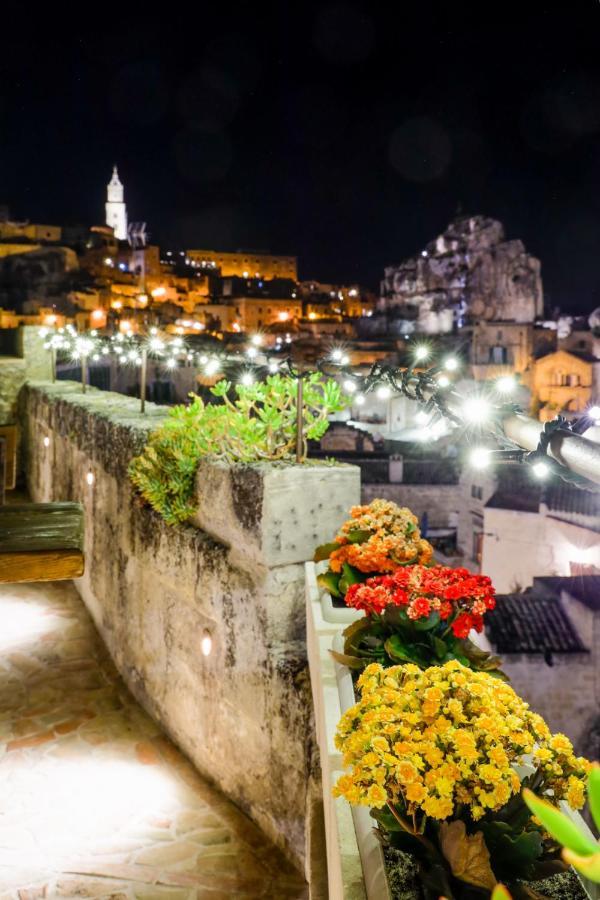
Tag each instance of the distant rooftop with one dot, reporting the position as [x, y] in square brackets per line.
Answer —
[528, 623]
[585, 588]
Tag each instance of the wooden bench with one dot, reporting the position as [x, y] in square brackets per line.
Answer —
[41, 542]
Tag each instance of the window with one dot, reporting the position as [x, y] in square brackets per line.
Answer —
[476, 491]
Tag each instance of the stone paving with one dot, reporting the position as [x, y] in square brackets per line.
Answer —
[94, 800]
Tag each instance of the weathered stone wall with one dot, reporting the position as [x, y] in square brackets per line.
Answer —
[243, 714]
[30, 360]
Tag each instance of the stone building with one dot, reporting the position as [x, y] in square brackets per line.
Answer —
[246, 264]
[469, 272]
[546, 637]
[565, 381]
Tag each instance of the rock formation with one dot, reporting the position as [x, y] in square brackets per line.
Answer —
[469, 272]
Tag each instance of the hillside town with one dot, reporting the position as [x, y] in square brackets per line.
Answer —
[471, 299]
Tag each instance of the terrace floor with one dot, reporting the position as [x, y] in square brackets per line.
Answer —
[94, 800]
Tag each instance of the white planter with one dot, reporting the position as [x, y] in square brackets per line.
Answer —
[337, 615]
[333, 694]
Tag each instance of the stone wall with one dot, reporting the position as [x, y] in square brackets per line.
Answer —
[243, 714]
[441, 502]
[30, 360]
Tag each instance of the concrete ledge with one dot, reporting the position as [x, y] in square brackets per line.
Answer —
[243, 714]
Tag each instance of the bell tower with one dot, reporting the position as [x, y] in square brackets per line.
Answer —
[116, 211]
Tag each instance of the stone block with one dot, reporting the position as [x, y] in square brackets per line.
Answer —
[274, 515]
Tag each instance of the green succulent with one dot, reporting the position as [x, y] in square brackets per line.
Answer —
[580, 850]
[247, 424]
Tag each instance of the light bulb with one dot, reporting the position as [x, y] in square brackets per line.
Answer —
[594, 412]
[46, 441]
[476, 409]
[273, 367]
[443, 381]
[383, 392]
[251, 352]
[206, 644]
[541, 470]
[506, 384]
[350, 386]
[256, 339]
[480, 457]
[421, 352]
[451, 364]
[336, 355]
[359, 399]
[247, 379]
[211, 367]
[90, 478]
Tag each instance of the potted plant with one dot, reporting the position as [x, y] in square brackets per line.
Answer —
[439, 756]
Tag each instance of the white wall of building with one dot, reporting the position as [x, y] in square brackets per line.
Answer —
[518, 546]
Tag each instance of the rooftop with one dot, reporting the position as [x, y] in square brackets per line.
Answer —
[528, 623]
[585, 588]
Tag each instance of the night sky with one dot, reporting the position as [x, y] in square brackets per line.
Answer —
[346, 133]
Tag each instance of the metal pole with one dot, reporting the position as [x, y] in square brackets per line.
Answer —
[299, 421]
[53, 363]
[84, 373]
[143, 376]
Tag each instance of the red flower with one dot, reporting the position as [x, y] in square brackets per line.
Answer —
[462, 625]
[445, 610]
[419, 608]
[400, 597]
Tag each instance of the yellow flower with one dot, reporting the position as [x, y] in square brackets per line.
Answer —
[415, 792]
[406, 772]
[376, 796]
[426, 739]
[561, 743]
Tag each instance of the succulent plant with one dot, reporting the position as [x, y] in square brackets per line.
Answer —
[580, 850]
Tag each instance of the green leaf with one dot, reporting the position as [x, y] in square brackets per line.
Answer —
[329, 581]
[513, 852]
[325, 551]
[432, 621]
[594, 793]
[439, 647]
[559, 825]
[352, 662]
[358, 536]
[398, 651]
[350, 575]
[410, 528]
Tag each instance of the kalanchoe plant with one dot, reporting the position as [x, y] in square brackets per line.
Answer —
[377, 538]
[419, 614]
[579, 849]
[247, 424]
[433, 753]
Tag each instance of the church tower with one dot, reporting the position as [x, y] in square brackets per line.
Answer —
[116, 211]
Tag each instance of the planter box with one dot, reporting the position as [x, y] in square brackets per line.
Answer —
[274, 514]
[333, 694]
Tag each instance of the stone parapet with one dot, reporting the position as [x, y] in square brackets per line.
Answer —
[243, 713]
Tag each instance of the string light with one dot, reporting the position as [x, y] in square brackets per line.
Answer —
[383, 392]
[350, 386]
[476, 409]
[506, 385]
[541, 470]
[480, 457]
[247, 380]
[451, 364]
[443, 381]
[421, 352]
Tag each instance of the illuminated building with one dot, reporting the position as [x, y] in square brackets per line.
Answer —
[247, 314]
[116, 211]
[245, 264]
[565, 381]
